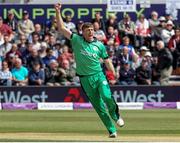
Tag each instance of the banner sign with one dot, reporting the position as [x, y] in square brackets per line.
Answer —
[161, 105]
[131, 106]
[19, 106]
[42, 13]
[121, 5]
[75, 94]
[55, 106]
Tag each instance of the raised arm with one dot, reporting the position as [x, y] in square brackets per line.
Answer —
[60, 23]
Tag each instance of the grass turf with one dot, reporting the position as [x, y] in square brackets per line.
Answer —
[86, 122]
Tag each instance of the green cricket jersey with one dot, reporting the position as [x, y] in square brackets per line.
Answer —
[87, 55]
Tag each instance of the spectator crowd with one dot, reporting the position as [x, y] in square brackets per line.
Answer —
[143, 52]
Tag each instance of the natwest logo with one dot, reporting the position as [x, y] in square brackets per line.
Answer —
[18, 97]
[134, 96]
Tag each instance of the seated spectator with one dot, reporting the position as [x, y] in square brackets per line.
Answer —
[125, 56]
[69, 24]
[141, 56]
[155, 72]
[36, 75]
[66, 55]
[149, 58]
[111, 21]
[5, 47]
[52, 74]
[11, 21]
[168, 32]
[35, 41]
[174, 46]
[49, 56]
[153, 21]
[34, 58]
[98, 18]
[113, 58]
[98, 33]
[162, 25]
[5, 75]
[165, 61]
[79, 27]
[25, 26]
[67, 74]
[22, 46]
[19, 74]
[127, 75]
[126, 43]
[112, 36]
[27, 53]
[39, 31]
[42, 52]
[127, 28]
[143, 73]
[142, 31]
[14, 51]
[6, 30]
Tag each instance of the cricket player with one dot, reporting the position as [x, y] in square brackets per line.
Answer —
[88, 52]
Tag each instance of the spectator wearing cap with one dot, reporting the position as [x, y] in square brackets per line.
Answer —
[142, 52]
[98, 33]
[143, 73]
[98, 18]
[36, 75]
[165, 61]
[127, 74]
[168, 32]
[19, 74]
[25, 26]
[5, 29]
[5, 47]
[142, 30]
[11, 21]
[174, 46]
[5, 75]
[127, 27]
[159, 28]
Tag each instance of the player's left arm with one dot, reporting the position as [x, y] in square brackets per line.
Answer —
[109, 65]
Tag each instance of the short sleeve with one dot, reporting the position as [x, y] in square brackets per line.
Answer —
[75, 39]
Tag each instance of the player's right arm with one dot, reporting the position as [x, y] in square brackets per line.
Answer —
[60, 23]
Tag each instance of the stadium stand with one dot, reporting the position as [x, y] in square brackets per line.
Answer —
[129, 42]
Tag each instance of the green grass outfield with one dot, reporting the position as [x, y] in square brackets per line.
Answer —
[85, 125]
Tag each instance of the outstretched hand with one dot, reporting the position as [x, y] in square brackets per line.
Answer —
[57, 7]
